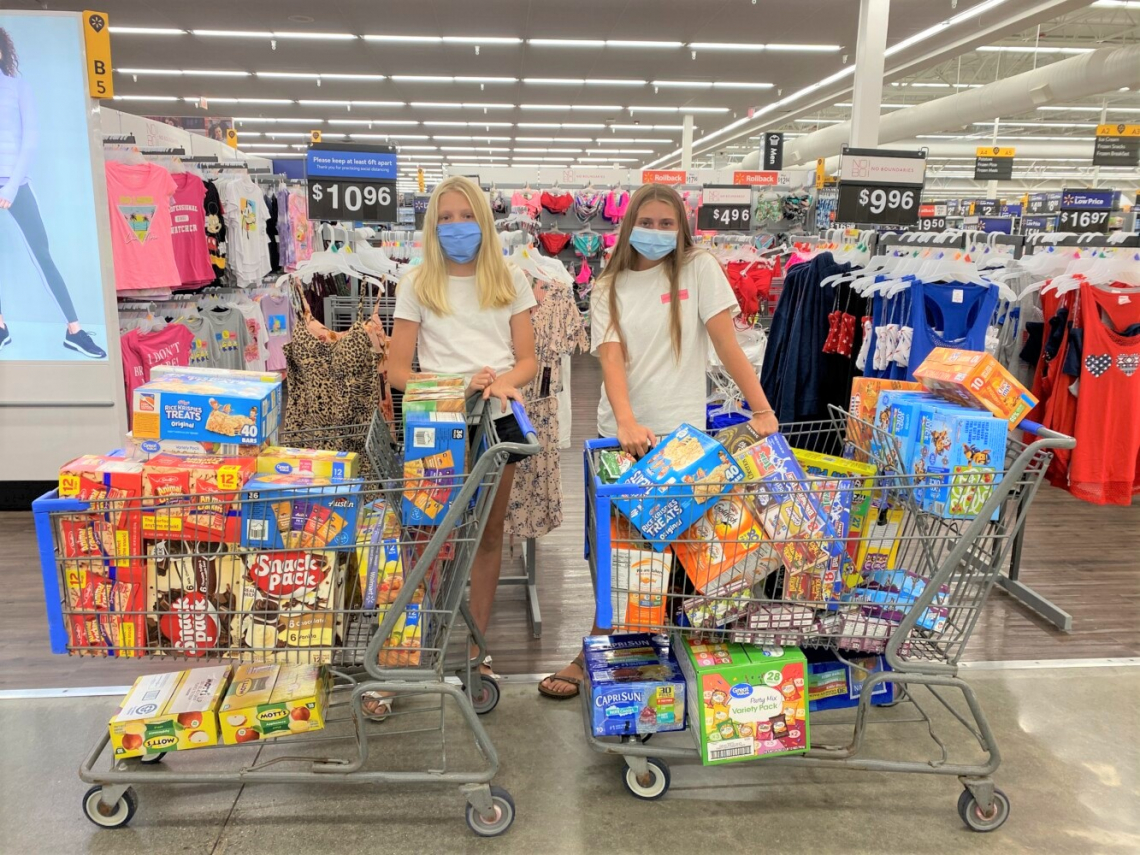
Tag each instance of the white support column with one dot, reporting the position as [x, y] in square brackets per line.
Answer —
[867, 95]
[991, 186]
[1103, 121]
[687, 142]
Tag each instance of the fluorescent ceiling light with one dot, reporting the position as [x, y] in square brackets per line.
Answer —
[1031, 49]
[567, 42]
[640, 43]
[550, 150]
[923, 35]
[1094, 109]
[682, 84]
[555, 81]
[611, 81]
[563, 107]
[418, 148]
[804, 48]
[145, 98]
[819, 121]
[620, 151]
[293, 34]
[424, 78]
[146, 31]
[486, 80]
[726, 46]
[277, 156]
[209, 99]
[419, 39]
[436, 104]
[469, 124]
[471, 148]
[264, 145]
[749, 46]
[883, 106]
[619, 140]
[189, 72]
[322, 103]
[1005, 123]
[728, 84]
[563, 125]
[985, 138]
[1118, 4]
[290, 121]
[482, 40]
[470, 138]
[240, 34]
[393, 122]
[679, 109]
[265, 34]
[302, 75]
[555, 139]
[278, 134]
[647, 127]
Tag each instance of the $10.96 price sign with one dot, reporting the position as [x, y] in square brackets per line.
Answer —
[725, 208]
[330, 199]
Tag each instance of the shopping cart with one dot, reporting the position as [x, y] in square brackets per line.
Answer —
[952, 566]
[210, 601]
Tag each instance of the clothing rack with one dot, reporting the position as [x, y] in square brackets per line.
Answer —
[1041, 240]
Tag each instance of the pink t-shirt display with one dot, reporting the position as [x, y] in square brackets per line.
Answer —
[139, 196]
[142, 351]
[189, 230]
[278, 313]
[301, 228]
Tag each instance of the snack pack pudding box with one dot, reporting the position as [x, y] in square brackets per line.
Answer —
[265, 700]
[169, 712]
[206, 408]
[635, 685]
[682, 477]
[745, 701]
[976, 380]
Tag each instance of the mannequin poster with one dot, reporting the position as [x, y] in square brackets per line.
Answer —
[51, 290]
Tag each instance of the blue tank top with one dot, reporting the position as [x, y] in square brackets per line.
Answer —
[948, 315]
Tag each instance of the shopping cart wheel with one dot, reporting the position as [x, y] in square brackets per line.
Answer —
[504, 807]
[488, 698]
[115, 817]
[973, 816]
[656, 784]
[152, 759]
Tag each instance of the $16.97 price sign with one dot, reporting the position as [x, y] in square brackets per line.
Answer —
[1083, 221]
[370, 201]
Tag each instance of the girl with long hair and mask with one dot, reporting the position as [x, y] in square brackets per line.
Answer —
[17, 150]
[653, 312]
[465, 310]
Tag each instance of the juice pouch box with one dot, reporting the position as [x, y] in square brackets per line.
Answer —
[639, 579]
[337, 465]
[435, 447]
[646, 695]
[214, 485]
[963, 455]
[206, 408]
[976, 380]
[618, 650]
[683, 475]
[835, 683]
[299, 512]
[745, 701]
[169, 712]
[265, 700]
[725, 545]
[861, 476]
[865, 393]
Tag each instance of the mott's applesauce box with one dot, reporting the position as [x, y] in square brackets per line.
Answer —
[682, 477]
[635, 685]
[169, 712]
[865, 393]
[976, 380]
[299, 512]
[266, 700]
[962, 458]
[745, 701]
[435, 446]
[206, 408]
[337, 465]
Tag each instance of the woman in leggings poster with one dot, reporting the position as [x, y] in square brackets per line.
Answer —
[51, 294]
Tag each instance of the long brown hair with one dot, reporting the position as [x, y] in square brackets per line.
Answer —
[624, 256]
[9, 62]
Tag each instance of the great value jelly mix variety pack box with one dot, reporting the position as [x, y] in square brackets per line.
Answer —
[612, 463]
[976, 380]
[206, 408]
[318, 463]
[435, 448]
[745, 701]
[635, 685]
[682, 476]
[864, 405]
[962, 458]
[299, 512]
[169, 712]
[266, 700]
[725, 545]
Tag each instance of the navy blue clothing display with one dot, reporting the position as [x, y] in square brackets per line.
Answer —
[948, 315]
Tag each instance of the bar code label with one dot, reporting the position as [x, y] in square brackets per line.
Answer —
[730, 748]
[423, 437]
[257, 529]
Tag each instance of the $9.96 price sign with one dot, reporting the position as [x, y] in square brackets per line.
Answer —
[332, 199]
[880, 187]
[888, 206]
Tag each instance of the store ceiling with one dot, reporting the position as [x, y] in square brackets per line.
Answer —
[423, 115]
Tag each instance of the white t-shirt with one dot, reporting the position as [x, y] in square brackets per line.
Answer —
[471, 337]
[663, 392]
[246, 241]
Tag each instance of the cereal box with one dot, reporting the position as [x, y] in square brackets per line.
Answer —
[206, 408]
[193, 591]
[435, 447]
[962, 458]
[631, 695]
[682, 476]
[299, 512]
[745, 701]
[861, 476]
[835, 683]
[169, 712]
[214, 485]
[865, 393]
[145, 449]
[267, 700]
[976, 380]
[337, 465]
[724, 545]
[639, 579]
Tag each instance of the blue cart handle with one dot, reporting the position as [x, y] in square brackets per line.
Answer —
[1031, 427]
[524, 422]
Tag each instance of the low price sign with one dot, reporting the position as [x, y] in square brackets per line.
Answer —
[1085, 210]
[880, 187]
[351, 182]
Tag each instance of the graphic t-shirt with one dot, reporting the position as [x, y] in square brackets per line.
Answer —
[247, 244]
[204, 353]
[227, 328]
[215, 230]
[139, 196]
[301, 229]
[278, 314]
[257, 348]
[189, 230]
[142, 351]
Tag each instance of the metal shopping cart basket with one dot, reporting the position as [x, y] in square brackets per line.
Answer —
[909, 586]
[188, 593]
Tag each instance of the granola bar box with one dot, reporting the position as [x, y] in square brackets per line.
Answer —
[207, 408]
[299, 512]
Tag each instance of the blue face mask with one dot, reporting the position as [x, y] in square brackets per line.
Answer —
[460, 241]
[654, 244]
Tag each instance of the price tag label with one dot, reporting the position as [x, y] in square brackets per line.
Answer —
[368, 201]
[878, 205]
[932, 224]
[1083, 221]
[719, 217]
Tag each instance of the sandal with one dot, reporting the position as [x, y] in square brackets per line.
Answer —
[376, 706]
[573, 681]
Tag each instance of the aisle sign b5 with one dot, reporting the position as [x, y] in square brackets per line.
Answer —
[97, 38]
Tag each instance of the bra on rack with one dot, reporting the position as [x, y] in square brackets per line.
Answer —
[587, 203]
[587, 244]
[609, 239]
[499, 203]
[616, 203]
[553, 242]
[557, 203]
[585, 274]
[528, 200]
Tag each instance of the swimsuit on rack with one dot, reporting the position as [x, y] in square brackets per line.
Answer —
[499, 203]
[616, 203]
[529, 200]
[553, 242]
[587, 203]
[587, 244]
[609, 239]
[585, 274]
[557, 203]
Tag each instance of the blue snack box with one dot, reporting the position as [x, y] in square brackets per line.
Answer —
[638, 696]
[684, 475]
[899, 413]
[960, 457]
[834, 684]
[207, 408]
[435, 447]
[299, 512]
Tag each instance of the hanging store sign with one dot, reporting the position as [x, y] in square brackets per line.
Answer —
[725, 208]
[986, 207]
[1031, 225]
[97, 41]
[756, 179]
[993, 163]
[1043, 203]
[774, 150]
[1117, 145]
[351, 182]
[880, 187]
[672, 177]
[1089, 200]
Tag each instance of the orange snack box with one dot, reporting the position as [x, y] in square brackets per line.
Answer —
[976, 380]
[865, 393]
[216, 517]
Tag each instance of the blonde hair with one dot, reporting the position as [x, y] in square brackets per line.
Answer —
[624, 256]
[493, 275]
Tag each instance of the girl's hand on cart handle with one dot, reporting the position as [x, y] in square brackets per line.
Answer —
[481, 381]
[764, 422]
[635, 439]
[504, 392]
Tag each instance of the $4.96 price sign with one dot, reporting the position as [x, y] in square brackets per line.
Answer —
[332, 199]
[725, 208]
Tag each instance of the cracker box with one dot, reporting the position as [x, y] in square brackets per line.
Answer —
[682, 476]
[976, 380]
[169, 712]
[791, 516]
[962, 458]
[214, 484]
[861, 476]
[725, 545]
[96, 479]
[379, 557]
[745, 701]
[206, 408]
[435, 447]
[879, 545]
[865, 393]
[193, 595]
[145, 449]
[834, 683]
[299, 512]
[634, 694]
[266, 700]
[639, 579]
[336, 465]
